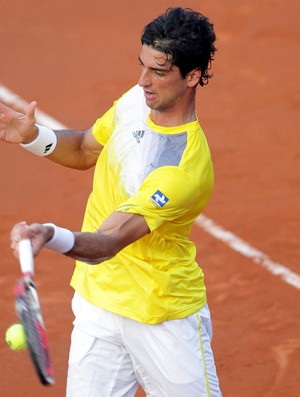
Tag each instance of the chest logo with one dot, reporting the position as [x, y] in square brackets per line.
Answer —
[138, 135]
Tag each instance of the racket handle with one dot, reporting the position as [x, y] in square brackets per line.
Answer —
[26, 256]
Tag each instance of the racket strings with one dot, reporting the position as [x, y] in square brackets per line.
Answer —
[30, 314]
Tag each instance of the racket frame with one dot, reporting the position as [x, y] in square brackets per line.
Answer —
[29, 312]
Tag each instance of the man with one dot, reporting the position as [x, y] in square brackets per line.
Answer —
[141, 315]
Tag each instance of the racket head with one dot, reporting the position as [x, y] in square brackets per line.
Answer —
[29, 312]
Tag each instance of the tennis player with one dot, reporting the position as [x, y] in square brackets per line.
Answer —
[141, 313]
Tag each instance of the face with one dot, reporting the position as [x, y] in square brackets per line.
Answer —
[164, 88]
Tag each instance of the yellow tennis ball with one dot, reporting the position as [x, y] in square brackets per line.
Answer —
[15, 337]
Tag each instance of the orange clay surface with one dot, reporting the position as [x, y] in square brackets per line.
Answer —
[75, 58]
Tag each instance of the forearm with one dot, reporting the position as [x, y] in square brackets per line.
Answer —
[117, 231]
[70, 148]
[91, 248]
[68, 151]
[94, 248]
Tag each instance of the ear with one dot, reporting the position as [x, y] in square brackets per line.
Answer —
[193, 77]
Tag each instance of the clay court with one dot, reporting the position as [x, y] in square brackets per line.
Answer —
[75, 58]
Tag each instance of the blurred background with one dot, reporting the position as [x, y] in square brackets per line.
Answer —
[75, 59]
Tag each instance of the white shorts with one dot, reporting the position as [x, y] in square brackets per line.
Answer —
[111, 355]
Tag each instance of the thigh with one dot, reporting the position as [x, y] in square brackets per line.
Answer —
[99, 365]
[175, 358]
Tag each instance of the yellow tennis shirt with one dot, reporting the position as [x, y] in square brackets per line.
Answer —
[166, 175]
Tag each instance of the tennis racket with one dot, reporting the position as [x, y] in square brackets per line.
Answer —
[29, 311]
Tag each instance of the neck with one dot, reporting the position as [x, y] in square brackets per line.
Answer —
[165, 119]
[183, 112]
[178, 115]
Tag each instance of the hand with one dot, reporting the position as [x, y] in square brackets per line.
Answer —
[16, 127]
[38, 234]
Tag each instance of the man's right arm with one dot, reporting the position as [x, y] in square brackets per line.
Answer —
[75, 149]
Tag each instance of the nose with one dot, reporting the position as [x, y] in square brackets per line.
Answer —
[144, 80]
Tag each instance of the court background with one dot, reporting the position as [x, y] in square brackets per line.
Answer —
[75, 58]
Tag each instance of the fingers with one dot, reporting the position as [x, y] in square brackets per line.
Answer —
[5, 113]
[30, 113]
[36, 232]
[18, 127]
[20, 231]
[4, 108]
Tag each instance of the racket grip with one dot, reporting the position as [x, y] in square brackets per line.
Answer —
[26, 256]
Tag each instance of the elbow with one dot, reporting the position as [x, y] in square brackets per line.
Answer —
[96, 261]
[90, 260]
[108, 251]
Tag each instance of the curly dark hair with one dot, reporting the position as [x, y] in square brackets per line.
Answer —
[187, 39]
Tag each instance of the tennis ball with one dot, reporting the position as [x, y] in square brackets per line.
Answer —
[15, 337]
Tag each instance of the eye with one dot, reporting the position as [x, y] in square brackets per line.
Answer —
[159, 73]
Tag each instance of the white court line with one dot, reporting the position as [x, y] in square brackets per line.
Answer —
[228, 238]
[240, 246]
[10, 98]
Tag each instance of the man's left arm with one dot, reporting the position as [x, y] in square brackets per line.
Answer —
[117, 231]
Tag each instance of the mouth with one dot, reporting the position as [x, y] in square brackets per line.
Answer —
[150, 95]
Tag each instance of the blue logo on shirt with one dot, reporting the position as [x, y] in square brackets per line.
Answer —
[159, 198]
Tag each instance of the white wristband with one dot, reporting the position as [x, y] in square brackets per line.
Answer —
[62, 240]
[44, 143]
